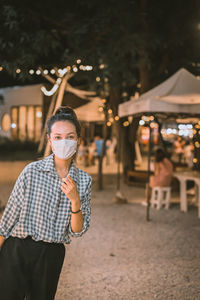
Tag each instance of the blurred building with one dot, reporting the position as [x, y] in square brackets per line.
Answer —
[23, 111]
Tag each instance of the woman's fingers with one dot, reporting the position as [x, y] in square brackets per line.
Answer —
[70, 179]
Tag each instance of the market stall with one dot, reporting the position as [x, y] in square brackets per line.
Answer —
[176, 97]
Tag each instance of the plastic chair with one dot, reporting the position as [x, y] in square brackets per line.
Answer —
[161, 196]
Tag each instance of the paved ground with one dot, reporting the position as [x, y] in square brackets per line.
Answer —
[124, 257]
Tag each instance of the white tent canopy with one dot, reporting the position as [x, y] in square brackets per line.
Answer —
[90, 111]
[179, 94]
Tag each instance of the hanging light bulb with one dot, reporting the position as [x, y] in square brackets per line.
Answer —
[46, 72]
[116, 118]
[141, 122]
[100, 108]
[62, 72]
[18, 71]
[98, 79]
[126, 123]
[31, 72]
[58, 81]
[38, 72]
[78, 61]
[52, 71]
[88, 68]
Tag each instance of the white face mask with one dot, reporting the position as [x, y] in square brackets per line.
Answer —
[64, 149]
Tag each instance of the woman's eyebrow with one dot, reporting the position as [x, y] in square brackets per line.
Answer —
[56, 133]
[71, 132]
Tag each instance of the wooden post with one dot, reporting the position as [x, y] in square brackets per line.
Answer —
[58, 103]
[50, 111]
[149, 173]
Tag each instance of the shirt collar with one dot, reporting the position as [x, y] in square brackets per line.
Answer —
[47, 165]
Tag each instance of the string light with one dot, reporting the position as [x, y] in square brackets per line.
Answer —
[194, 131]
[1, 68]
[108, 123]
[116, 118]
[53, 90]
[197, 145]
[61, 72]
[111, 120]
[101, 66]
[195, 160]
[103, 100]
[110, 111]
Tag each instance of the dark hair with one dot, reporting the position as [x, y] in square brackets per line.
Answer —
[160, 155]
[64, 113]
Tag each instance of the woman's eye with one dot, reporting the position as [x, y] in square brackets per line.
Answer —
[71, 137]
[57, 138]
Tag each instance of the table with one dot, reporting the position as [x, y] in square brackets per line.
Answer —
[183, 177]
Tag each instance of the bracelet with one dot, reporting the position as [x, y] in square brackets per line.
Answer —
[75, 212]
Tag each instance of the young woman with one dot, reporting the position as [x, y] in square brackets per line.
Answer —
[49, 203]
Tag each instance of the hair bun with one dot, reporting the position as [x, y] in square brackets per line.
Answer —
[64, 110]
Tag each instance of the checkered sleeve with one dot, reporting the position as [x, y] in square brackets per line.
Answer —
[86, 211]
[13, 207]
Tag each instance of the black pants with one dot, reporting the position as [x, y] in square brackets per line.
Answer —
[29, 270]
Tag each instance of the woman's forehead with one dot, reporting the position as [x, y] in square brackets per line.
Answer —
[63, 127]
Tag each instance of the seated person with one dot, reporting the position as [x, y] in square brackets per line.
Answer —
[163, 171]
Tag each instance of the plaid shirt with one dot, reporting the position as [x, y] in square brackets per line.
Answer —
[38, 207]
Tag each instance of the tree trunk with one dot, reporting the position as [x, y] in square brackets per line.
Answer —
[143, 52]
[128, 136]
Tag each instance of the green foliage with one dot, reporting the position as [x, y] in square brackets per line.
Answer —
[138, 40]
